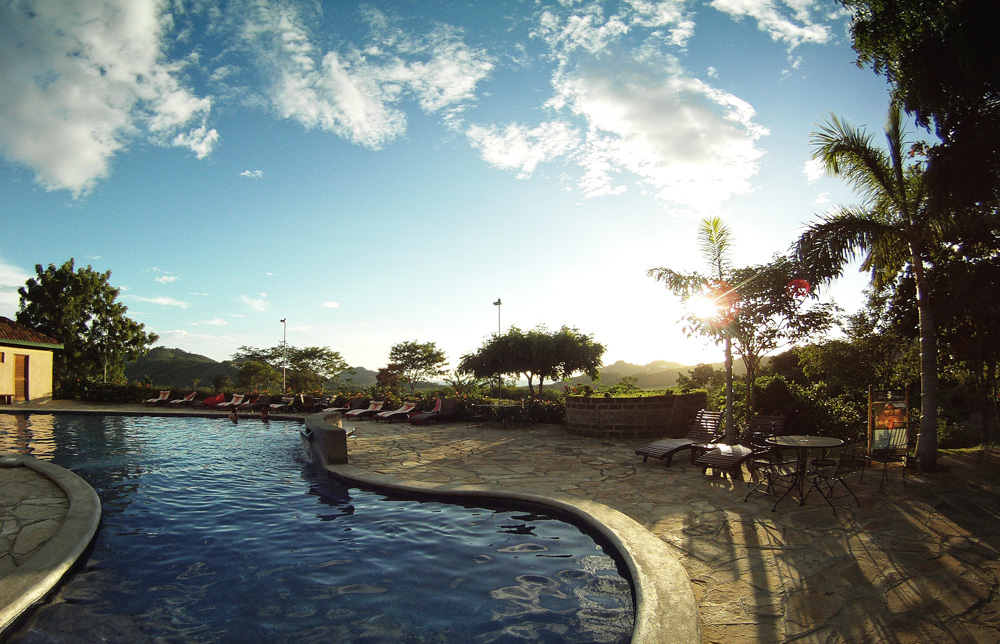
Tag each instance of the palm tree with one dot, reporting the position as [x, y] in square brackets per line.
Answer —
[715, 245]
[894, 227]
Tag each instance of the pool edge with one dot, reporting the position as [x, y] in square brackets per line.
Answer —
[665, 611]
[32, 581]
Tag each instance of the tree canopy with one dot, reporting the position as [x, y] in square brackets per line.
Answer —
[538, 353]
[943, 59]
[414, 360]
[79, 308]
[306, 369]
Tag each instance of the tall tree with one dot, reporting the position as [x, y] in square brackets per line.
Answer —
[943, 59]
[538, 353]
[715, 243]
[414, 360]
[893, 228]
[79, 308]
[309, 368]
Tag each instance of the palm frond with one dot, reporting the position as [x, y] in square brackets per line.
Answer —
[714, 241]
[683, 285]
[842, 236]
[849, 152]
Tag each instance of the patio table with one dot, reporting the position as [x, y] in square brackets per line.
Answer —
[802, 445]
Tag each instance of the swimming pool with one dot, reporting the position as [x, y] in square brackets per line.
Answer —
[219, 533]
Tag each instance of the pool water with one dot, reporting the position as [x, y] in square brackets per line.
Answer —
[214, 532]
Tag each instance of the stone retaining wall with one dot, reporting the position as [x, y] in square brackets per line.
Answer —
[647, 417]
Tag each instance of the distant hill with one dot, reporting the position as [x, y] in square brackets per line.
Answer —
[659, 374]
[178, 368]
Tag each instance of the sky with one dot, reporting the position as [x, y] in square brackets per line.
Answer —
[382, 172]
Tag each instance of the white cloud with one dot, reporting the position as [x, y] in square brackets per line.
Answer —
[11, 278]
[82, 79]
[691, 144]
[814, 169]
[163, 301]
[167, 279]
[355, 92]
[790, 21]
[252, 174]
[259, 303]
[822, 198]
[517, 147]
[214, 322]
[330, 305]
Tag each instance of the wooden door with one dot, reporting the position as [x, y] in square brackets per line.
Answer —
[20, 377]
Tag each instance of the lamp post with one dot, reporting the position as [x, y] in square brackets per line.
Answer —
[284, 352]
[499, 375]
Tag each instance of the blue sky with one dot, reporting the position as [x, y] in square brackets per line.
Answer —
[383, 172]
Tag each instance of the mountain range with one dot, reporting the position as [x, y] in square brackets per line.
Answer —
[182, 370]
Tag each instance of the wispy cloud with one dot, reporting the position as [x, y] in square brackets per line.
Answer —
[355, 91]
[330, 305]
[167, 279]
[81, 79]
[518, 147]
[162, 301]
[11, 278]
[258, 303]
[814, 169]
[253, 174]
[788, 21]
[213, 322]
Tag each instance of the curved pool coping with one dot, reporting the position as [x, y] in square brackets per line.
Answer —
[665, 605]
[30, 582]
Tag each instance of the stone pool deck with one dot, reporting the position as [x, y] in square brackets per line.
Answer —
[913, 564]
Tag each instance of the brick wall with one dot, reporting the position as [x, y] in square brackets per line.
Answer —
[647, 417]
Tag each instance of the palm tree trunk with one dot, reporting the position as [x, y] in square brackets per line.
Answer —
[927, 437]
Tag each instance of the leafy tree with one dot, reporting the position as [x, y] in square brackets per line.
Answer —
[715, 243]
[703, 376]
[258, 376]
[79, 308]
[943, 59]
[895, 227]
[538, 353]
[417, 360]
[308, 369]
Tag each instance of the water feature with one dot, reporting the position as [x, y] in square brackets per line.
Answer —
[214, 532]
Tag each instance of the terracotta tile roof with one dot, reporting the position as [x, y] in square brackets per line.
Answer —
[15, 332]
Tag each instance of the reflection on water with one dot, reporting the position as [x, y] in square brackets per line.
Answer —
[220, 533]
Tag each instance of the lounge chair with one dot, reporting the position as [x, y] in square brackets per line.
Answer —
[232, 404]
[444, 409]
[356, 403]
[306, 404]
[284, 405]
[162, 400]
[730, 458]
[704, 430]
[373, 408]
[185, 401]
[211, 402]
[403, 412]
[255, 404]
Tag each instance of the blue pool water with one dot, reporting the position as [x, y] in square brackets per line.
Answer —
[219, 533]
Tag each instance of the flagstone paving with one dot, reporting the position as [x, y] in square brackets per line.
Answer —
[914, 564]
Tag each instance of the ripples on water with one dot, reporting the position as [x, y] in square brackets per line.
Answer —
[219, 533]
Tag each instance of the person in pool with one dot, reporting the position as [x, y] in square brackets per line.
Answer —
[233, 416]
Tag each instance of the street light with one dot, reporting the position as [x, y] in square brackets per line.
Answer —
[499, 375]
[284, 352]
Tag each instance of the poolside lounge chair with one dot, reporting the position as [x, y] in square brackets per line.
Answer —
[356, 403]
[254, 404]
[729, 459]
[306, 404]
[373, 408]
[162, 400]
[704, 430]
[211, 402]
[185, 401]
[403, 412]
[232, 404]
[284, 405]
[444, 409]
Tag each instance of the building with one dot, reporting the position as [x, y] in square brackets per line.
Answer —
[25, 363]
